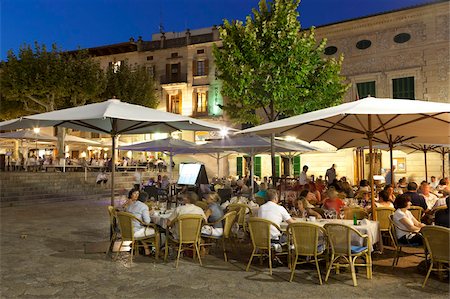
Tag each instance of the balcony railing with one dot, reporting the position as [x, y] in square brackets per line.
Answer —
[174, 78]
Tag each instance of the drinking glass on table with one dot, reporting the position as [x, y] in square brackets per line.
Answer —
[342, 214]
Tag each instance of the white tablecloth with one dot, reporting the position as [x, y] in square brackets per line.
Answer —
[367, 227]
[161, 219]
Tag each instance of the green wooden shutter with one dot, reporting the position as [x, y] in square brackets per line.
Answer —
[277, 166]
[258, 166]
[403, 88]
[239, 166]
[365, 89]
[297, 166]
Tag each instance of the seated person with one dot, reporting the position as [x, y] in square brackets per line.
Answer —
[383, 200]
[242, 189]
[301, 209]
[416, 198]
[406, 225]
[333, 202]
[443, 187]
[430, 198]
[213, 213]
[347, 189]
[188, 207]
[272, 211]
[102, 178]
[390, 190]
[310, 198]
[262, 191]
[441, 217]
[364, 186]
[139, 210]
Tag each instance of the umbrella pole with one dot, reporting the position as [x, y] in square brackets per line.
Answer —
[370, 136]
[170, 166]
[113, 168]
[443, 163]
[425, 158]
[252, 156]
[391, 145]
[218, 165]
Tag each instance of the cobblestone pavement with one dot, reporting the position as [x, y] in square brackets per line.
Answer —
[42, 256]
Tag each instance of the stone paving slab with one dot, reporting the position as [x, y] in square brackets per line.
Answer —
[42, 256]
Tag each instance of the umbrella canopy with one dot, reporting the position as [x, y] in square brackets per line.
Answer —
[257, 144]
[112, 117]
[170, 144]
[350, 124]
[364, 122]
[30, 135]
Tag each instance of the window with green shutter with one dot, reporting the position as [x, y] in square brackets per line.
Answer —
[258, 166]
[365, 89]
[297, 166]
[277, 166]
[403, 88]
[239, 166]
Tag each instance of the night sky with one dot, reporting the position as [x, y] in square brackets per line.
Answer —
[90, 23]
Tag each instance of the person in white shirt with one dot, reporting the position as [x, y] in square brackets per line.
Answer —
[430, 198]
[303, 178]
[188, 207]
[434, 183]
[406, 226]
[272, 211]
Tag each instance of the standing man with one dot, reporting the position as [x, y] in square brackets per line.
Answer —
[330, 175]
[303, 178]
[390, 176]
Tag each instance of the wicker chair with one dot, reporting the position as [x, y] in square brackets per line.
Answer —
[382, 216]
[260, 234]
[398, 245]
[260, 200]
[228, 220]
[340, 238]
[188, 230]
[113, 229]
[417, 212]
[304, 241]
[241, 210]
[360, 213]
[437, 241]
[127, 232]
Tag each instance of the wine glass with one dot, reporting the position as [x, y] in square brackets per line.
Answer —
[342, 214]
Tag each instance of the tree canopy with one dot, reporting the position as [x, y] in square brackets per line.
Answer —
[268, 63]
[132, 84]
[38, 80]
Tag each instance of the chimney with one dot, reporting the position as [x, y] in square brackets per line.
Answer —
[215, 32]
[163, 40]
[140, 44]
[188, 37]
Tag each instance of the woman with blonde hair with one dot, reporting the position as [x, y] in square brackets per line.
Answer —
[213, 213]
[301, 209]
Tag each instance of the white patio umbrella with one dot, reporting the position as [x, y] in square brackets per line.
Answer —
[112, 117]
[169, 145]
[364, 122]
[30, 135]
[253, 145]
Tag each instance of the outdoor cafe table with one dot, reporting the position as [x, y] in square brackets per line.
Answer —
[161, 219]
[367, 227]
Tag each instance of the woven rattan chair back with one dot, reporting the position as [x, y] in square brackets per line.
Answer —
[358, 211]
[126, 225]
[417, 212]
[201, 204]
[260, 232]
[305, 238]
[437, 240]
[340, 238]
[228, 221]
[189, 228]
[382, 215]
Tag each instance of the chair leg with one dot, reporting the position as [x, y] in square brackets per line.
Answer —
[293, 268]
[428, 275]
[318, 269]
[369, 265]
[250, 261]
[352, 268]
[270, 261]
[132, 252]
[118, 251]
[178, 256]
[329, 267]
[156, 247]
[198, 254]
[224, 250]
[166, 250]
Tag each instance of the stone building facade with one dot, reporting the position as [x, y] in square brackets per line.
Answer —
[397, 54]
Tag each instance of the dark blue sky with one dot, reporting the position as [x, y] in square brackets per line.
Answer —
[90, 23]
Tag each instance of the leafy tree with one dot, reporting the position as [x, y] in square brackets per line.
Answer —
[132, 84]
[269, 64]
[44, 80]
